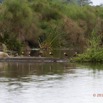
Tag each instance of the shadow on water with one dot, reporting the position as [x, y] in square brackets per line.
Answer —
[18, 70]
[24, 71]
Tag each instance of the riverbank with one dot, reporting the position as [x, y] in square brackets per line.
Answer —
[33, 59]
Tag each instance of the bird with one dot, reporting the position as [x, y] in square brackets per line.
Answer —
[75, 54]
[29, 52]
[22, 52]
[40, 53]
[65, 54]
[50, 53]
[16, 54]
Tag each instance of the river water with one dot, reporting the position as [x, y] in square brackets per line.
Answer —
[51, 83]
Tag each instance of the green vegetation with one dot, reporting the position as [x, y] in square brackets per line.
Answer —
[51, 23]
[94, 52]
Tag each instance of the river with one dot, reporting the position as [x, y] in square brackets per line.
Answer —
[51, 83]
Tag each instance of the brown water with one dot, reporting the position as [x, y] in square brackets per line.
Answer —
[50, 83]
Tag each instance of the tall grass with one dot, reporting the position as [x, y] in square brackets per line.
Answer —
[94, 52]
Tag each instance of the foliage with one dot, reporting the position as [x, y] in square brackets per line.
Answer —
[79, 2]
[49, 24]
[94, 53]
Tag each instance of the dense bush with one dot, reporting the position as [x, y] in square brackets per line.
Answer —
[48, 24]
[90, 56]
[94, 52]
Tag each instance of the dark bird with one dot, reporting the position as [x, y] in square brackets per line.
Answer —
[65, 54]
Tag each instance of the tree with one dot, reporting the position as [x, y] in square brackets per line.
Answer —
[16, 20]
[79, 2]
[84, 2]
[17, 15]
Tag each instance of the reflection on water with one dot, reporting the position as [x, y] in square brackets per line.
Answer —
[16, 70]
[50, 83]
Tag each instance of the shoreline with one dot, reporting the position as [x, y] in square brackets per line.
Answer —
[33, 59]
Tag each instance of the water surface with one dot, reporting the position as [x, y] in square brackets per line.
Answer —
[50, 83]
